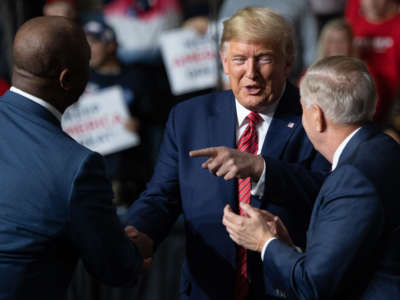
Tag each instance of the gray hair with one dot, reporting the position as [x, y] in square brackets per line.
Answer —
[342, 87]
[258, 24]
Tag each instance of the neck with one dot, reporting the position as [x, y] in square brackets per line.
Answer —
[335, 135]
[42, 88]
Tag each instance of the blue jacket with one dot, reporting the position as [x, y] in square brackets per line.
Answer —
[180, 185]
[353, 242]
[55, 207]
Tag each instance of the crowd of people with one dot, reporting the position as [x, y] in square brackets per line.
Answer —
[271, 176]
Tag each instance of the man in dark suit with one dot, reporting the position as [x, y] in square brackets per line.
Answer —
[353, 241]
[56, 200]
[257, 53]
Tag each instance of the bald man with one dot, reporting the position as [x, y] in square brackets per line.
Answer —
[55, 199]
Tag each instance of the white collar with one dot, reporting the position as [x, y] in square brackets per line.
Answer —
[341, 147]
[242, 112]
[39, 101]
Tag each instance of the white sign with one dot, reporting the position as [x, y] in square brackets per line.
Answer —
[97, 121]
[190, 60]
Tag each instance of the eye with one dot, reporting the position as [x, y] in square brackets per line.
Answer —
[238, 59]
[265, 59]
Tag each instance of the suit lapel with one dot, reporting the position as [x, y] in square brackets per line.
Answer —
[286, 119]
[284, 123]
[222, 132]
[222, 123]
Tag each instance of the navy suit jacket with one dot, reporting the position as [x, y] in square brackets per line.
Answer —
[180, 185]
[55, 207]
[353, 242]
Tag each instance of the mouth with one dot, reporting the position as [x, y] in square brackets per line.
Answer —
[253, 89]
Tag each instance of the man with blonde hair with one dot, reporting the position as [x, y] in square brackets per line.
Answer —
[353, 240]
[223, 133]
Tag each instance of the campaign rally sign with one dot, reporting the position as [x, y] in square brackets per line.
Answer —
[190, 60]
[97, 121]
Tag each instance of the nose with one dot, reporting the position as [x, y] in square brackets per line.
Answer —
[251, 70]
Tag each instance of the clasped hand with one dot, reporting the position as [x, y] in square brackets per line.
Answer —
[143, 243]
[254, 229]
[230, 163]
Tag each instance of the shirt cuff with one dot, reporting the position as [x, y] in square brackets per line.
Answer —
[257, 188]
[265, 247]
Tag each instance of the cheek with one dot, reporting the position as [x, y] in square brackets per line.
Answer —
[235, 74]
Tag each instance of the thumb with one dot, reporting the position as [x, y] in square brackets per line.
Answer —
[248, 209]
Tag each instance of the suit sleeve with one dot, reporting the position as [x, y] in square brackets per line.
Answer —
[95, 230]
[346, 224]
[299, 181]
[159, 206]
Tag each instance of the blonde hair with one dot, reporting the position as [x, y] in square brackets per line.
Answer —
[335, 24]
[342, 87]
[257, 24]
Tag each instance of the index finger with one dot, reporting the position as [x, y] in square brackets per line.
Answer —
[211, 151]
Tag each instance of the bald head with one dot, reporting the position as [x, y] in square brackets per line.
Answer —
[44, 46]
[45, 50]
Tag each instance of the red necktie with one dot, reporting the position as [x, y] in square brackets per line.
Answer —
[248, 142]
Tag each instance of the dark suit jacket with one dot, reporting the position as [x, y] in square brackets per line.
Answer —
[55, 207]
[180, 185]
[353, 243]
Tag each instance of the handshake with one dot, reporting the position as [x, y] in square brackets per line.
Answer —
[143, 243]
[250, 231]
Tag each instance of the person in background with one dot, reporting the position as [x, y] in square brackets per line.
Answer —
[336, 38]
[208, 159]
[376, 27]
[353, 240]
[56, 199]
[139, 25]
[62, 8]
[106, 71]
[327, 10]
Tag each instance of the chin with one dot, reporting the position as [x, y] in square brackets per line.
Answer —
[257, 102]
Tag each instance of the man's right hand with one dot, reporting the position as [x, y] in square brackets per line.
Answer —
[230, 163]
[141, 240]
[277, 228]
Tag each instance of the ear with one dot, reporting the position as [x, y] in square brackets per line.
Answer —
[318, 118]
[224, 60]
[65, 79]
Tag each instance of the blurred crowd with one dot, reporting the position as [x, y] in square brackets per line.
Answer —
[124, 39]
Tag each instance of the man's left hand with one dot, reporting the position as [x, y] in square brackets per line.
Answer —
[251, 231]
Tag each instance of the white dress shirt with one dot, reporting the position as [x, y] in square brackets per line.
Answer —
[335, 161]
[341, 147]
[39, 101]
[257, 188]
